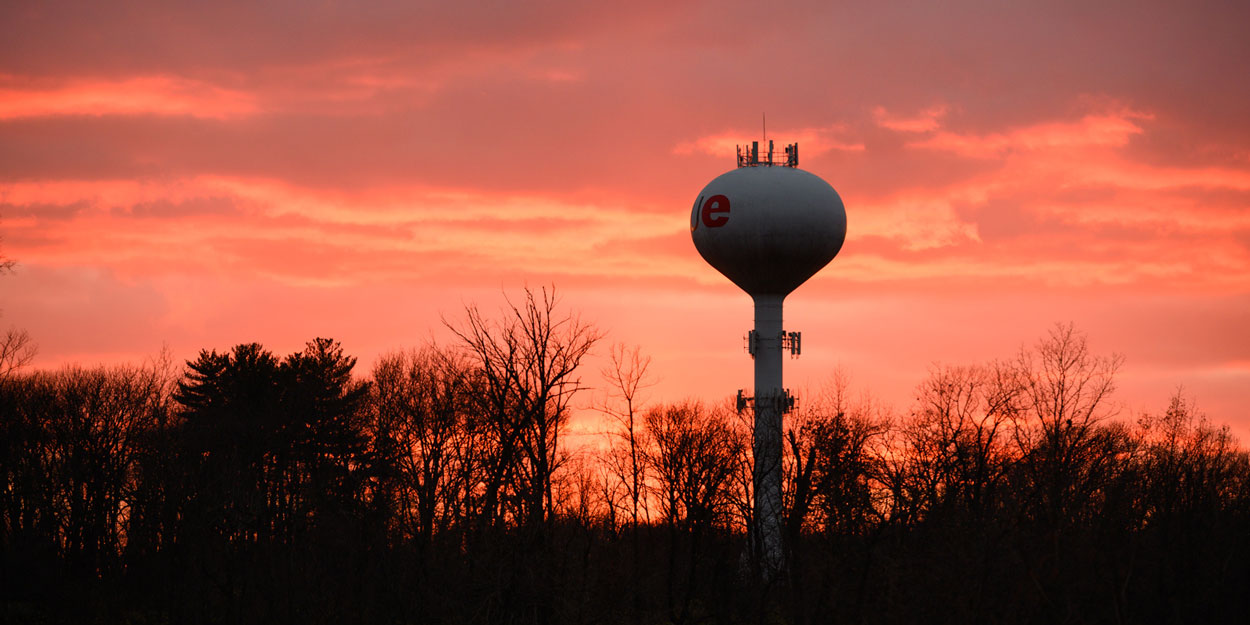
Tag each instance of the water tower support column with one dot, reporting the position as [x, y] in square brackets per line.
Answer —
[771, 401]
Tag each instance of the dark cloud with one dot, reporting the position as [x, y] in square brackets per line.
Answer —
[44, 210]
[195, 38]
[221, 206]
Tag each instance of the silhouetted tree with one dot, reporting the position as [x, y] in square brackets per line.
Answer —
[528, 366]
[627, 376]
[421, 402]
[323, 423]
[274, 455]
[525, 368]
[1069, 468]
[1065, 394]
[230, 406]
[829, 482]
[957, 439]
[17, 350]
[68, 465]
[625, 457]
[695, 455]
[1195, 519]
[252, 488]
[829, 477]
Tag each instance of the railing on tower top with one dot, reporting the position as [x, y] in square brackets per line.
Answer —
[750, 156]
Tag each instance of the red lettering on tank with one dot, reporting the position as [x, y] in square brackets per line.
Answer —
[715, 211]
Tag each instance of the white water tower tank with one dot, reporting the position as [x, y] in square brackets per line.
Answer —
[768, 229]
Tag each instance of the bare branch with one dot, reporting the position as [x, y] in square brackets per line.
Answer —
[17, 350]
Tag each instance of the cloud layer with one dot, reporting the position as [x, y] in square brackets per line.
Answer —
[204, 174]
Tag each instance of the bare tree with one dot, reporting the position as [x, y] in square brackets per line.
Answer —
[695, 456]
[957, 437]
[829, 461]
[577, 491]
[1192, 467]
[6, 264]
[627, 376]
[625, 458]
[71, 444]
[420, 404]
[1065, 393]
[1065, 386]
[17, 350]
[528, 362]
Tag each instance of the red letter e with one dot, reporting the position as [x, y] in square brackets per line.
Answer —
[715, 211]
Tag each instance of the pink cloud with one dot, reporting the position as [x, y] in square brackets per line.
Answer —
[157, 95]
[1091, 131]
[925, 121]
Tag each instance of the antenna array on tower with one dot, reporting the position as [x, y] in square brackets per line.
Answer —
[750, 156]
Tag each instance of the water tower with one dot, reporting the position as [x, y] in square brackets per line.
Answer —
[768, 226]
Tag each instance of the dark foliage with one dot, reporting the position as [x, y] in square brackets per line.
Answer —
[252, 488]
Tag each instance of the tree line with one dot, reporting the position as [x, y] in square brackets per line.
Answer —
[245, 486]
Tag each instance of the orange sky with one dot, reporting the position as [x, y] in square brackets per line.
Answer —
[216, 173]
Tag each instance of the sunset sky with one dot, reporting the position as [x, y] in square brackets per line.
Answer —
[203, 174]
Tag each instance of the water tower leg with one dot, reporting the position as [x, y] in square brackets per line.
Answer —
[770, 402]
